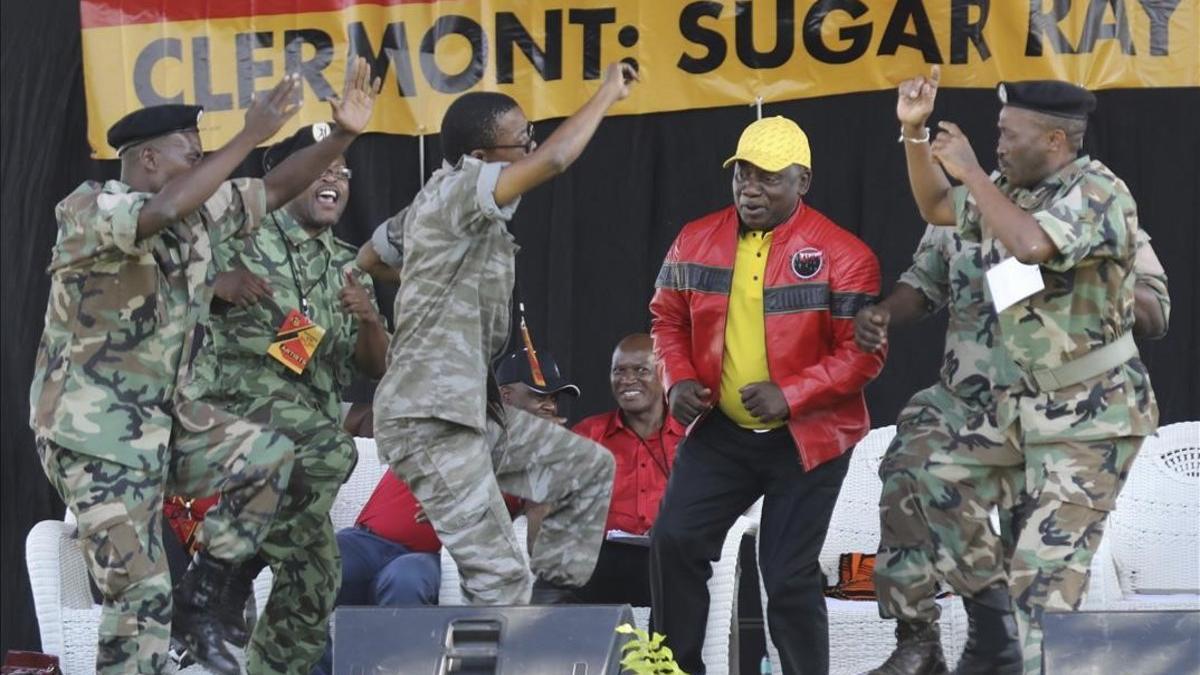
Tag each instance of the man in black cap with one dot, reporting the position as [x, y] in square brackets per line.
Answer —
[130, 282]
[293, 269]
[1058, 236]
[532, 382]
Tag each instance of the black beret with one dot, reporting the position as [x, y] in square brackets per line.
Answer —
[1048, 96]
[304, 137]
[159, 120]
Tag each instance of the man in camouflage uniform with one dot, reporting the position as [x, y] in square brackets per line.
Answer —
[439, 422]
[950, 463]
[130, 282]
[293, 263]
[1082, 402]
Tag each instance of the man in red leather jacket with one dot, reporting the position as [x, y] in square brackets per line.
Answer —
[753, 322]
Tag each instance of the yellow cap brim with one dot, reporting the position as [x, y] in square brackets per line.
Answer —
[764, 164]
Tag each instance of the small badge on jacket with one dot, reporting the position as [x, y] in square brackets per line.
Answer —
[807, 262]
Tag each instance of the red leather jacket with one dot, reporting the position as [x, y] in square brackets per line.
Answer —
[818, 276]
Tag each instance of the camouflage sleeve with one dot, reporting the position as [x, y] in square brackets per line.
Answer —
[388, 240]
[95, 221]
[236, 208]
[966, 214]
[1150, 273]
[485, 188]
[1089, 221]
[930, 271]
[346, 368]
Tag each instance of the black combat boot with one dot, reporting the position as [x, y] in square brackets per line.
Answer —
[993, 646]
[918, 651]
[231, 607]
[195, 622]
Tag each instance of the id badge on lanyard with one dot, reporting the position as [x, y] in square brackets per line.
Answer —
[296, 341]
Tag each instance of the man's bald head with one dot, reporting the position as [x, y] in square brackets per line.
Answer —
[634, 375]
[635, 342]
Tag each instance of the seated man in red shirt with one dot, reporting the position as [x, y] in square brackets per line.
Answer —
[642, 438]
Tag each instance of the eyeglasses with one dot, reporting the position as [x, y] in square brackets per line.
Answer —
[527, 145]
[342, 172]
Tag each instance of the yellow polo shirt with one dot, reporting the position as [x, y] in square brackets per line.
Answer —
[745, 360]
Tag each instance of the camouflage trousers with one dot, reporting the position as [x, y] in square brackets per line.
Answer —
[119, 513]
[943, 473]
[458, 473]
[1071, 486]
[300, 545]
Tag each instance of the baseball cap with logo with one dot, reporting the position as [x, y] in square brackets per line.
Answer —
[518, 366]
[304, 137]
[773, 144]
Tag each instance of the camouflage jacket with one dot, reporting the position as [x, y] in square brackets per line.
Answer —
[122, 314]
[948, 270]
[452, 310]
[233, 364]
[1087, 303]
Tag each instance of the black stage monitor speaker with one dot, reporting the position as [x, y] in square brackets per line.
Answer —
[1130, 643]
[541, 640]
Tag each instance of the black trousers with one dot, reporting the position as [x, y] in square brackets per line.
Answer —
[622, 576]
[720, 470]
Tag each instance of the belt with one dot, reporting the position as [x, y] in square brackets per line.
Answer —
[1087, 366]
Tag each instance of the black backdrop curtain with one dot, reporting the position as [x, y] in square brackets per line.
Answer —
[591, 241]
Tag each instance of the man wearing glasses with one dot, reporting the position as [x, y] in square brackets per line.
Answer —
[293, 320]
[439, 421]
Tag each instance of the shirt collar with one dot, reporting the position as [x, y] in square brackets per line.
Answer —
[1050, 185]
[616, 424]
[742, 230]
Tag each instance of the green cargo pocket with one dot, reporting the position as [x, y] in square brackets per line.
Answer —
[114, 551]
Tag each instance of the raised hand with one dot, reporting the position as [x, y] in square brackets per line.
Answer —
[355, 300]
[914, 104]
[953, 151]
[688, 399]
[870, 328]
[270, 111]
[241, 287]
[619, 77]
[765, 401]
[352, 110]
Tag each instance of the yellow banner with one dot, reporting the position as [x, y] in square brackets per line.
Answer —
[550, 54]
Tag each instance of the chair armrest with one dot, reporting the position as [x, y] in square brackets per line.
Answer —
[1104, 587]
[262, 590]
[450, 588]
[722, 604]
[50, 553]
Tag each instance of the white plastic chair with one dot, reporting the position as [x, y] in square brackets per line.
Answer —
[1149, 557]
[859, 639]
[68, 620]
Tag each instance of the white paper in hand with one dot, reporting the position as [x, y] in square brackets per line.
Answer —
[1012, 281]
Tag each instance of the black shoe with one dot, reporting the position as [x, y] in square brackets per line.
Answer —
[993, 645]
[918, 651]
[550, 593]
[195, 623]
[178, 653]
[231, 607]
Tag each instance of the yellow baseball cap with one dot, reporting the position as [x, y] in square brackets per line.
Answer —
[773, 144]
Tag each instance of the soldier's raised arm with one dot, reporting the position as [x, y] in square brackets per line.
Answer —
[187, 191]
[351, 113]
